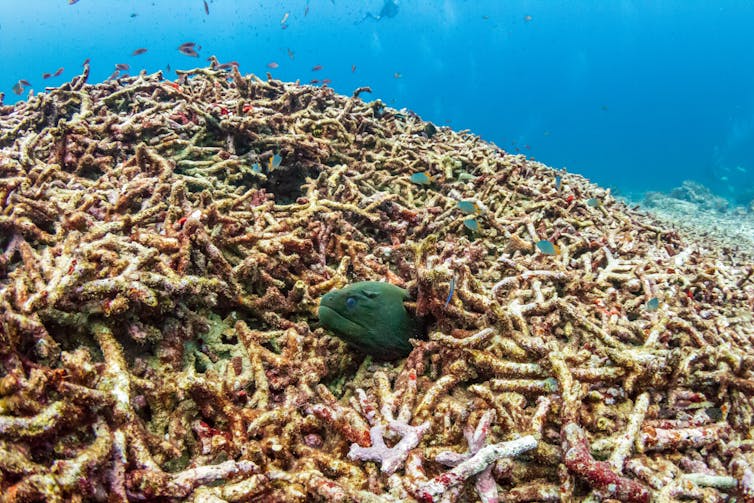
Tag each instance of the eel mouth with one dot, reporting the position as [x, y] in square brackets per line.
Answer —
[332, 319]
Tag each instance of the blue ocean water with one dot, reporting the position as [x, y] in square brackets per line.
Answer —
[635, 95]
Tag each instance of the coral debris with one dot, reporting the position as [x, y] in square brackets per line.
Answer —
[163, 246]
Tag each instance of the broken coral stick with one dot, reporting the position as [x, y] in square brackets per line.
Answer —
[475, 464]
[659, 439]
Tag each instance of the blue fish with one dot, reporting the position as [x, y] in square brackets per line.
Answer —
[547, 247]
[451, 290]
[471, 224]
[653, 304]
[468, 207]
[422, 178]
[274, 162]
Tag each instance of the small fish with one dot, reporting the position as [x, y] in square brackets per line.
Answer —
[471, 224]
[316, 68]
[18, 88]
[353, 68]
[46, 75]
[397, 75]
[25, 83]
[138, 51]
[548, 248]
[527, 18]
[291, 54]
[186, 44]
[558, 181]
[188, 51]
[451, 290]
[122, 66]
[58, 72]
[167, 67]
[114, 75]
[71, 2]
[206, 7]
[326, 81]
[272, 64]
[314, 82]
[422, 178]
[285, 18]
[468, 207]
[256, 167]
[86, 61]
[653, 304]
[593, 202]
[430, 130]
[274, 162]
[133, 15]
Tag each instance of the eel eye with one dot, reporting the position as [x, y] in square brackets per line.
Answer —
[350, 302]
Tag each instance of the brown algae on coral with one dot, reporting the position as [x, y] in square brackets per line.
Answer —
[159, 335]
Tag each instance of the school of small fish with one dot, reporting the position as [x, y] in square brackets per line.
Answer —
[191, 49]
[389, 9]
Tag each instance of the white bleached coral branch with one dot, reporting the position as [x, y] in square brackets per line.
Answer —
[476, 462]
[390, 458]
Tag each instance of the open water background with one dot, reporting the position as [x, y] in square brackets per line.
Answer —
[635, 95]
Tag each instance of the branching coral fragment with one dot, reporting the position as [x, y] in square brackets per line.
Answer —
[390, 458]
[478, 464]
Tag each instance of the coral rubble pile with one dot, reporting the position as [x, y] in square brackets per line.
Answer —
[163, 246]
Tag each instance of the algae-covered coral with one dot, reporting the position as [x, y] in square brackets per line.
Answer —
[163, 249]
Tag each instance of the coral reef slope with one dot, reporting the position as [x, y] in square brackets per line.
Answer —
[163, 246]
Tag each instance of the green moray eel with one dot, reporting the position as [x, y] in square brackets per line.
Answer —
[370, 317]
